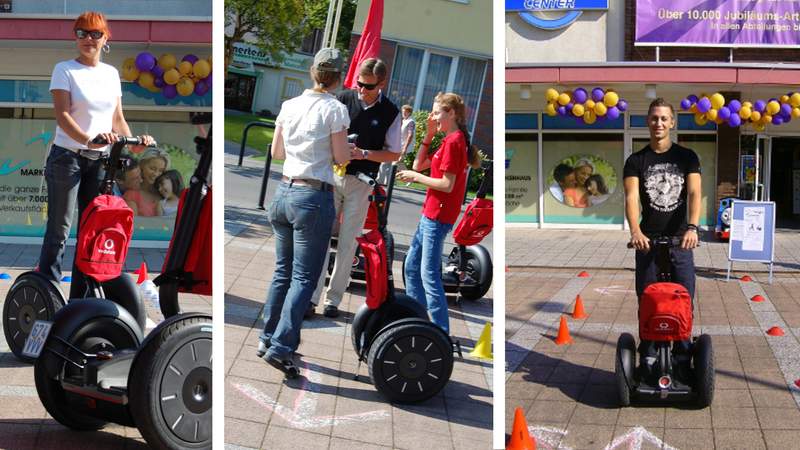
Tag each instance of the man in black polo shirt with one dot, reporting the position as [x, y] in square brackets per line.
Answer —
[665, 178]
[376, 121]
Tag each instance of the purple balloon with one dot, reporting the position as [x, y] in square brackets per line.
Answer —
[191, 58]
[170, 91]
[598, 94]
[562, 110]
[612, 113]
[569, 106]
[735, 106]
[735, 120]
[200, 88]
[580, 95]
[786, 109]
[724, 113]
[759, 105]
[622, 105]
[704, 104]
[145, 61]
[777, 119]
[686, 104]
[692, 98]
[159, 82]
[208, 80]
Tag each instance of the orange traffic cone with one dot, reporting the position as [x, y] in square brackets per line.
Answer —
[583, 274]
[142, 273]
[578, 312]
[520, 437]
[563, 333]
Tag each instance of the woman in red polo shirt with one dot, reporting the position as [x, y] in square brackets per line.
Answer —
[446, 185]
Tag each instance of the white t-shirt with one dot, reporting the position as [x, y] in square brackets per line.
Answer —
[409, 127]
[94, 93]
[308, 122]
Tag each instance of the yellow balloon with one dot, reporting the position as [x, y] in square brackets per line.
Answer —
[185, 67]
[551, 95]
[700, 119]
[201, 68]
[129, 70]
[784, 99]
[563, 99]
[718, 120]
[578, 110]
[694, 108]
[589, 117]
[172, 76]
[794, 100]
[711, 114]
[747, 104]
[589, 104]
[167, 61]
[755, 116]
[146, 80]
[766, 118]
[185, 87]
[744, 112]
[759, 127]
[550, 110]
[795, 113]
[773, 107]
[717, 101]
[153, 89]
[600, 109]
[610, 99]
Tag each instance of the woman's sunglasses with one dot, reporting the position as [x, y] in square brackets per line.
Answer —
[367, 86]
[94, 34]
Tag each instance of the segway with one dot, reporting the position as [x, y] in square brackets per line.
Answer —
[94, 365]
[468, 268]
[665, 317]
[34, 297]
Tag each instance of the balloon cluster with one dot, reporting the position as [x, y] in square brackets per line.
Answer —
[585, 106]
[167, 75]
[735, 113]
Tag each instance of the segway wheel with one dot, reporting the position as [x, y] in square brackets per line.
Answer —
[479, 268]
[170, 386]
[624, 366]
[32, 297]
[703, 360]
[168, 299]
[411, 361]
[72, 410]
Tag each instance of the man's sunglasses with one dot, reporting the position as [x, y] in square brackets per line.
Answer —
[94, 34]
[367, 86]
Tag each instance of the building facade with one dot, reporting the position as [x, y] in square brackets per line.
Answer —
[613, 48]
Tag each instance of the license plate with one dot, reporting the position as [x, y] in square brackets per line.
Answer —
[35, 342]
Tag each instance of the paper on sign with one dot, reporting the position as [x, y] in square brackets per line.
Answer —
[737, 229]
[753, 238]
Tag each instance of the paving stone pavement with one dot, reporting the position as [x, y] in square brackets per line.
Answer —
[568, 393]
[327, 408]
[24, 423]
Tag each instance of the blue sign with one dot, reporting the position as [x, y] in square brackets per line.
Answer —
[572, 10]
[752, 231]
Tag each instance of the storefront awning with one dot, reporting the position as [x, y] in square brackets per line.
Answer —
[156, 32]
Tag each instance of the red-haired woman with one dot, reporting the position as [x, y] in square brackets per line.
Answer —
[87, 98]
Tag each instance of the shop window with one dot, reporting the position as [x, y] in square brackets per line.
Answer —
[435, 79]
[705, 145]
[582, 176]
[292, 87]
[639, 121]
[405, 75]
[686, 122]
[311, 43]
[468, 84]
[522, 169]
[572, 123]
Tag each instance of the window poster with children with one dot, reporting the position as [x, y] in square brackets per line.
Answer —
[151, 184]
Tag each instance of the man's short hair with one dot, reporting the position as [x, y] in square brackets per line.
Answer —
[561, 171]
[658, 103]
[373, 66]
[407, 108]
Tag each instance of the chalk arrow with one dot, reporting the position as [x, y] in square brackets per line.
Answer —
[634, 438]
[613, 290]
[305, 405]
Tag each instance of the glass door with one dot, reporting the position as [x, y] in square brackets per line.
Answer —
[754, 162]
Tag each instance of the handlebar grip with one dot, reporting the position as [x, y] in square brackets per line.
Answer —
[125, 140]
[366, 179]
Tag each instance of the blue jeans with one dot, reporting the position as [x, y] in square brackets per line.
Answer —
[302, 218]
[70, 178]
[423, 269]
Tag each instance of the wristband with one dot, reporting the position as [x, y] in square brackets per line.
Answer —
[691, 227]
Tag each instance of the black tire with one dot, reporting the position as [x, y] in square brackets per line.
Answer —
[411, 361]
[624, 365]
[168, 299]
[32, 297]
[389, 250]
[65, 407]
[403, 307]
[170, 386]
[703, 360]
[479, 268]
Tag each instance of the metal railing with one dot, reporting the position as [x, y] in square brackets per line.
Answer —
[265, 177]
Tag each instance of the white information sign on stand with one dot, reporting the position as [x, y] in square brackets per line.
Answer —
[752, 233]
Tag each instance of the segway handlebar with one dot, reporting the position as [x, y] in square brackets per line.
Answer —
[122, 141]
[114, 160]
[670, 241]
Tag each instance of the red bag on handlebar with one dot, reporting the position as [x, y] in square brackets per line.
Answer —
[476, 222]
[196, 271]
[105, 233]
[375, 267]
[665, 313]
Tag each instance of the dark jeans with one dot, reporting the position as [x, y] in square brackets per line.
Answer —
[70, 178]
[302, 218]
[647, 273]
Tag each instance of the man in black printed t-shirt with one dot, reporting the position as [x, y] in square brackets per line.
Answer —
[663, 181]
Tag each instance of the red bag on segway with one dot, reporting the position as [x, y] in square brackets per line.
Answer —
[374, 250]
[105, 233]
[476, 222]
[198, 258]
[371, 222]
[665, 313]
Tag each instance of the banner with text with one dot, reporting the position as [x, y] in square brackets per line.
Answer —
[724, 23]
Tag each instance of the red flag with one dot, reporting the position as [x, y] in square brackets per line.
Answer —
[369, 44]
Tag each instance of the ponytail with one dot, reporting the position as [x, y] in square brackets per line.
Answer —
[473, 158]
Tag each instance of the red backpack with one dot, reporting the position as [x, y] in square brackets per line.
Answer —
[197, 267]
[105, 233]
[665, 313]
[476, 222]
[375, 267]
